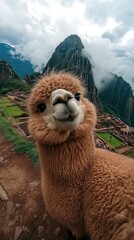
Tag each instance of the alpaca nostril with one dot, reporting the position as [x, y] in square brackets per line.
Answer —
[62, 98]
[68, 96]
[59, 99]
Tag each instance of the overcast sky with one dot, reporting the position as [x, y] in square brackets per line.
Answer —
[106, 28]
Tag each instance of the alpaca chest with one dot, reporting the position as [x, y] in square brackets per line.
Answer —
[63, 203]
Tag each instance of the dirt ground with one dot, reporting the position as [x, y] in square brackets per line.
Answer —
[22, 211]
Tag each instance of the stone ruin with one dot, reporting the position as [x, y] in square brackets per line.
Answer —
[118, 128]
[19, 99]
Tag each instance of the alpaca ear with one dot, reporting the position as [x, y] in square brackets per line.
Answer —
[94, 115]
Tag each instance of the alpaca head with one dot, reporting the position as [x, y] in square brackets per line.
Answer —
[56, 104]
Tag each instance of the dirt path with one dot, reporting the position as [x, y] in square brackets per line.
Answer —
[22, 211]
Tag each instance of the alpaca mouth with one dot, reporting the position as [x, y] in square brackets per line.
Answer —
[69, 118]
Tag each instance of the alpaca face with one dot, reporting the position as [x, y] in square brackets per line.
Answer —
[58, 109]
[63, 110]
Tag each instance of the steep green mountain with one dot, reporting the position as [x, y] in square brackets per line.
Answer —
[115, 97]
[9, 80]
[69, 56]
[6, 72]
[20, 66]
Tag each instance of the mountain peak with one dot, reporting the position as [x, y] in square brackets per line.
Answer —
[73, 41]
[68, 56]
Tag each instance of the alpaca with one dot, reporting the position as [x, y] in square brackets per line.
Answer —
[88, 190]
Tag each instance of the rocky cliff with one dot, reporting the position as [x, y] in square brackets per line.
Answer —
[68, 56]
[6, 72]
[9, 80]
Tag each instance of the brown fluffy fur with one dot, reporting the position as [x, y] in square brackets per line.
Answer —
[86, 189]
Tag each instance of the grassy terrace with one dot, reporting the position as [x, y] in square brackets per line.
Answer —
[10, 109]
[110, 139]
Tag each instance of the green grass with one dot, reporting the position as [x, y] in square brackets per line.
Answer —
[4, 100]
[129, 154]
[110, 139]
[15, 111]
[6, 104]
[21, 145]
[10, 109]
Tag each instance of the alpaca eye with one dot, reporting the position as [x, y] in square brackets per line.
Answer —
[77, 96]
[41, 107]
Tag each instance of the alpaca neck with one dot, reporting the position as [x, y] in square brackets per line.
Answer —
[67, 160]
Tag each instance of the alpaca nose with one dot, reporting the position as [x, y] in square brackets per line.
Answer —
[64, 104]
[61, 96]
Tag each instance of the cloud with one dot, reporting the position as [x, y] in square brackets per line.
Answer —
[101, 77]
[36, 27]
[111, 58]
[116, 34]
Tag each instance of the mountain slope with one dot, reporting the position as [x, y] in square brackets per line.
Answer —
[69, 56]
[6, 72]
[115, 97]
[9, 80]
[19, 65]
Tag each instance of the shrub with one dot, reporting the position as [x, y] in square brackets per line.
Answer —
[12, 85]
